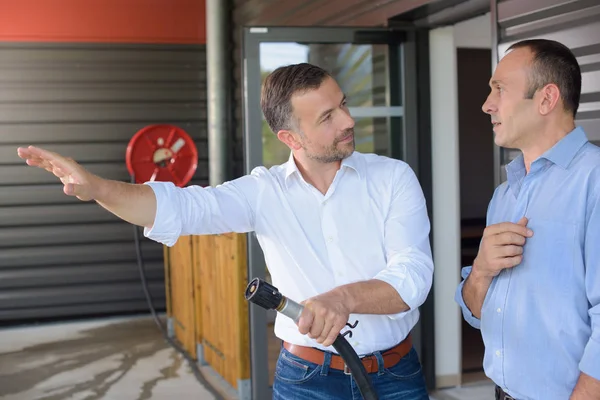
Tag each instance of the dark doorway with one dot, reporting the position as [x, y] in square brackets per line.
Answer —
[476, 178]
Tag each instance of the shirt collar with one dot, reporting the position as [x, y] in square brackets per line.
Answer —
[561, 154]
[351, 162]
[515, 172]
[291, 166]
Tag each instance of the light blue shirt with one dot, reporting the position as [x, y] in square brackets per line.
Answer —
[540, 320]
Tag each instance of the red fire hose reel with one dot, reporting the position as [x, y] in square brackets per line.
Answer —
[162, 153]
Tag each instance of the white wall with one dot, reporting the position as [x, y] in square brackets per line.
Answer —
[443, 42]
[446, 204]
[475, 33]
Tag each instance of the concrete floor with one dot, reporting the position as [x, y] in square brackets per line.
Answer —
[111, 359]
[476, 391]
[114, 359]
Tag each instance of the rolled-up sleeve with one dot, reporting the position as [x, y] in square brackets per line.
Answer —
[590, 362]
[458, 297]
[197, 210]
[409, 268]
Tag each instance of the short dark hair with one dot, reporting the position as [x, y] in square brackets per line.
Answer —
[281, 85]
[553, 62]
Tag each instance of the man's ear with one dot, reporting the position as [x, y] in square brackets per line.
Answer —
[290, 139]
[549, 98]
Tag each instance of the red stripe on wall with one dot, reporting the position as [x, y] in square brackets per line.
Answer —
[120, 21]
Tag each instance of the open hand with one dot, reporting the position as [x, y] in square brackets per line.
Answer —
[77, 181]
[323, 318]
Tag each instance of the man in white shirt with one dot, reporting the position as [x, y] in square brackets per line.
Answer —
[346, 234]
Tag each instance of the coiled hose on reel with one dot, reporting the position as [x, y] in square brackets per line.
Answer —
[268, 297]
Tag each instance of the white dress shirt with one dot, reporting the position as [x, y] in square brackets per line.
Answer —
[371, 224]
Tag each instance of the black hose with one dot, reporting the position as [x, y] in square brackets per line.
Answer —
[268, 297]
[356, 367]
[192, 363]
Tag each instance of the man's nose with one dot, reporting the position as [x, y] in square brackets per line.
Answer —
[349, 121]
[489, 106]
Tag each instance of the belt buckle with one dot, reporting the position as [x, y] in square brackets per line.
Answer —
[346, 370]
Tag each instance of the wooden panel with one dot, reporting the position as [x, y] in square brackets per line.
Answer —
[199, 254]
[224, 311]
[212, 298]
[181, 293]
[167, 261]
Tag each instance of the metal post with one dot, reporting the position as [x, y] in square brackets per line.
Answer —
[259, 365]
[218, 84]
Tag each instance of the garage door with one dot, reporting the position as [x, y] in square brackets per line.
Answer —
[59, 257]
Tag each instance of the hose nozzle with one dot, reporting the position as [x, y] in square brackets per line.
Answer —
[268, 297]
[264, 294]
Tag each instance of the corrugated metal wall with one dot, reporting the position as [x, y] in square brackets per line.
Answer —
[575, 23]
[60, 257]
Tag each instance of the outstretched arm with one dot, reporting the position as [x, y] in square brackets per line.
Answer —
[133, 203]
[165, 210]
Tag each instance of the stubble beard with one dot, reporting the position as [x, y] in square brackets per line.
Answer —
[334, 153]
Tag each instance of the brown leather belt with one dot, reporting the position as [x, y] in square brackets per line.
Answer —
[391, 356]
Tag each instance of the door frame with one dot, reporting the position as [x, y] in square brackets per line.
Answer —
[402, 89]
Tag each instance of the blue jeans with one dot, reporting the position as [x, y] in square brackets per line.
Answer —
[297, 379]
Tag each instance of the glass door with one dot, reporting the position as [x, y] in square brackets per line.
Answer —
[368, 66]
[361, 71]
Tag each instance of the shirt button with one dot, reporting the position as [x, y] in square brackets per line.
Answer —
[330, 239]
[498, 353]
[499, 310]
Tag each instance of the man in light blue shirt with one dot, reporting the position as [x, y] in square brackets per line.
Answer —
[534, 287]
